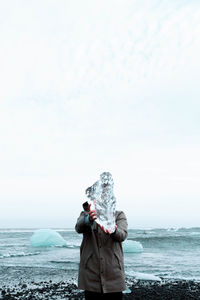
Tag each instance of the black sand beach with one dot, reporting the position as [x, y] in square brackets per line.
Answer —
[140, 290]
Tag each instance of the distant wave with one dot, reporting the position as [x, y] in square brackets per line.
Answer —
[150, 230]
[73, 246]
[191, 237]
[63, 262]
[2, 230]
[138, 230]
[65, 246]
[14, 245]
[18, 254]
[16, 230]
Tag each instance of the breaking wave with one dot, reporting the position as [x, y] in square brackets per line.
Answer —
[18, 254]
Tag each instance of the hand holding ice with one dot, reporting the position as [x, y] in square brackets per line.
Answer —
[103, 201]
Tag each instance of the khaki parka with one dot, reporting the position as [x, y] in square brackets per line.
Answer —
[101, 265]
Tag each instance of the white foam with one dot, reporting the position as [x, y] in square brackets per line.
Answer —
[6, 255]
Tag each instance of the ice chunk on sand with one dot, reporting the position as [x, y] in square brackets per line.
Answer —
[46, 237]
[144, 276]
[103, 200]
[127, 291]
[130, 246]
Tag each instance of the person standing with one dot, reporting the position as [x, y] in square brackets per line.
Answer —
[101, 268]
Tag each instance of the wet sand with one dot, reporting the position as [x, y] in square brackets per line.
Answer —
[140, 290]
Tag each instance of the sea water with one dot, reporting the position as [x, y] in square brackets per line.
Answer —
[167, 253]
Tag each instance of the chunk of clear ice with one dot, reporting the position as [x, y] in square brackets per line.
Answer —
[47, 238]
[102, 199]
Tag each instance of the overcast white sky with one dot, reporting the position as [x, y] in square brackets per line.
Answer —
[92, 86]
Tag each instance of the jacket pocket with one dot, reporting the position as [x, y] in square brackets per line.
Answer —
[118, 260]
[87, 259]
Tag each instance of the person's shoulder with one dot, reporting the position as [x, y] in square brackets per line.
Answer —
[83, 213]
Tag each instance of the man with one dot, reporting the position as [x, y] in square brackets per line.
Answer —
[101, 269]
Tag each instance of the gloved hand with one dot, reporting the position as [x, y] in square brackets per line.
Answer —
[106, 230]
[92, 214]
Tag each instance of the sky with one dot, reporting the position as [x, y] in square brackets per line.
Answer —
[93, 86]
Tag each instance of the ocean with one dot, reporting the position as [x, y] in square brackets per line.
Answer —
[171, 253]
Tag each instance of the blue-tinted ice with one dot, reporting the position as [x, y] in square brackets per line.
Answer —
[103, 200]
[46, 238]
[130, 246]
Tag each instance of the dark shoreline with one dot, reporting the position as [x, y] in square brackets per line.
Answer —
[140, 290]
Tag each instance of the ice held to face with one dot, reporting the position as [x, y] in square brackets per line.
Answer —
[46, 238]
[102, 199]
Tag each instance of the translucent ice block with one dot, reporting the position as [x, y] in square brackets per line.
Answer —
[130, 246]
[46, 238]
[102, 199]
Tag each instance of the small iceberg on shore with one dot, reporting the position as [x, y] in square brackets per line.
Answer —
[144, 276]
[130, 246]
[47, 238]
[127, 291]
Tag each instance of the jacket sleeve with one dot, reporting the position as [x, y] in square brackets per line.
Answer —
[82, 224]
[121, 232]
